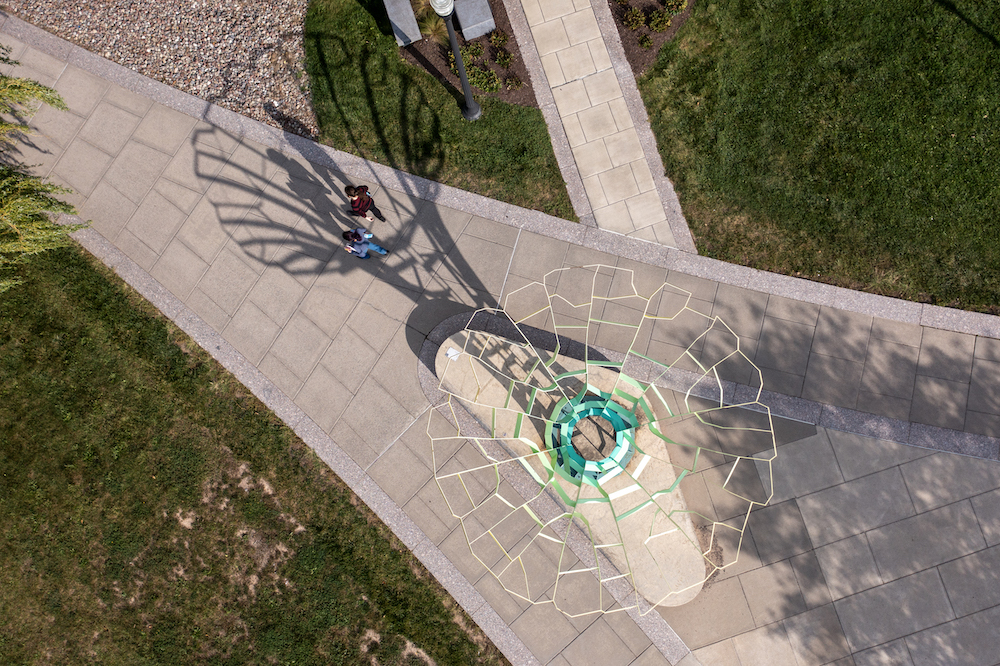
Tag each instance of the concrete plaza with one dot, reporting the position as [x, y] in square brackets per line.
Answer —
[880, 545]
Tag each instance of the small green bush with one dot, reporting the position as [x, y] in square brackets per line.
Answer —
[675, 6]
[484, 79]
[472, 52]
[622, 3]
[503, 58]
[634, 19]
[645, 41]
[512, 82]
[498, 38]
[659, 20]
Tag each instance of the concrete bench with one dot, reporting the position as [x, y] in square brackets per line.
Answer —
[475, 17]
[404, 23]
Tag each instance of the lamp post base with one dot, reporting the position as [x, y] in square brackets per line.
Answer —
[471, 110]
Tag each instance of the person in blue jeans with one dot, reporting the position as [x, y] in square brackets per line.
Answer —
[360, 242]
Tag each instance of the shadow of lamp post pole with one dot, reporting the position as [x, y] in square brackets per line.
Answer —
[446, 10]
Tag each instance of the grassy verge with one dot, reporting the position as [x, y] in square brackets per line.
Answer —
[370, 102]
[853, 143]
[152, 511]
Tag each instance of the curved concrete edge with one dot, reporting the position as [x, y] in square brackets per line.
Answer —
[637, 108]
[534, 221]
[547, 104]
[659, 632]
[306, 429]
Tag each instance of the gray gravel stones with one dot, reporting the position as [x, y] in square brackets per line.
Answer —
[244, 55]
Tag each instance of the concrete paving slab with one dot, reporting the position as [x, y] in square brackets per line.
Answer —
[277, 294]
[56, 125]
[400, 473]
[842, 334]
[926, 540]
[766, 645]
[946, 355]
[372, 399]
[108, 210]
[109, 128]
[890, 369]
[136, 250]
[939, 402]
[784, 346]
[870, 501]
[195, 166]
[816, 636]
[324, 399]
[779, 531]
[803, 467]
[894, 610]
[890, 654]
[135, 170]
[787, 309]
[80, 90]
[812, 582]
[984, 392]
[81, 166]
[832, 380]
[987, 507]
[720, 611]
[545, 630]
[943, 478]
[228, 279]
[973, 581]
[722, 653]
[178, 269]
[848, 566]
[970, 641]
[283, 378]
[598, 644]
[181, 197]
[251, 332]
[859, 456]
[38, 66]
[164, 129]
[772, 593]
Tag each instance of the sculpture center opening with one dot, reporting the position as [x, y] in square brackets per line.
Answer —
[594, 438]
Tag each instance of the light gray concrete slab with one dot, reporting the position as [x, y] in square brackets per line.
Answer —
[848, 566]
[178, 269]
[973, 581]
[765, 645]
[946, 355]
[944, 478]
[719, 611]
[81, 166]
[859, 456]
[894, 610]
[59, 126]
[80, 90]
[939, 402]
[779, 531]
[889, 654]
[109, 128]
[987, 507]
[890, 369]
[803, 467]
[970, 641]
[598, 644]
[772, 593]
[926, 540]
[816, 636]
[869, 502]
[107, 210]
[135, 169]
[812, 582]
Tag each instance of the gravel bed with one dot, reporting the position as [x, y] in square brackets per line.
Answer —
[244, 55]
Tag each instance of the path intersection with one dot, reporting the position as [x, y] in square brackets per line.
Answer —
[881, 542]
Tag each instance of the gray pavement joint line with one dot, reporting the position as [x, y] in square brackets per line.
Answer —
[360, 483]
[640, 121]
[546, 104]
[506, 274]
[885, 307]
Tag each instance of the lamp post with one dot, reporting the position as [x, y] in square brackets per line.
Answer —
[446, 9]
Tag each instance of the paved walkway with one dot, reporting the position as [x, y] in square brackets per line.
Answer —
[872, 552]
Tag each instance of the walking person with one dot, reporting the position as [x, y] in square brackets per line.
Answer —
[362, 203]
[360, 242]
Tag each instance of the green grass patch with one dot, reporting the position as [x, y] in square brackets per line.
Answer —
[853, 143]
[370, 102]
[153, 511]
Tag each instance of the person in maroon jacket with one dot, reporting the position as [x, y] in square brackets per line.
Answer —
[362, 203]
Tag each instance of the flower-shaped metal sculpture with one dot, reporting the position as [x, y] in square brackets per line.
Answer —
[590, 445]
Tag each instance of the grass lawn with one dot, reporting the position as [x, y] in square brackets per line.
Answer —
[370, 102]
[153, 511]
[853, 143]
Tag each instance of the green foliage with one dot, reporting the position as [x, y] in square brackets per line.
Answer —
[634, 18]
[27, 203]
[483, 78]
[498, 38]
[472, 52]
[645, 41]
[370, 102]
[675, 6]
[659, 20]
[116, 428]
[512, 82]
[832, 139]
[433, 29]
[503, 58]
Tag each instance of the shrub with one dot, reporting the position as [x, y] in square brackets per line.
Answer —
[645, 41]
[659, 20]
[634, 19]
[675, 6]
[433, 29]
[622, 3]
[484, 79]
[498, 38]
[512, 82]
[472, 52]
[503, 58]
